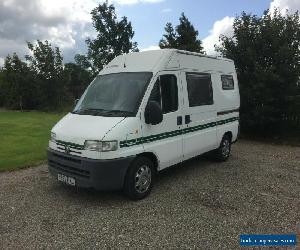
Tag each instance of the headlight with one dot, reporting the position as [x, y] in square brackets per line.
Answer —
[93, 145]
[53, 137]
[101, 146]
[109, 146]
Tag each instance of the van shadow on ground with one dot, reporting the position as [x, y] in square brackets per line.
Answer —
[164, 179]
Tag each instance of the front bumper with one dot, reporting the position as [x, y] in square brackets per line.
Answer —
[90, 173]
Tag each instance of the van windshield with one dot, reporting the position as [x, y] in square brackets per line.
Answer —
[116, 94]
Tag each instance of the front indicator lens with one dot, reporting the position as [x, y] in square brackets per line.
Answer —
[53, 137]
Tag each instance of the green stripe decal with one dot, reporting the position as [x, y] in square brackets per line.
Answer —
[165, 135]
[70, 144]
[156, 137]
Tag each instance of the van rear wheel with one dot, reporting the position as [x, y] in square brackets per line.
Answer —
[223, 152]
[139, 178]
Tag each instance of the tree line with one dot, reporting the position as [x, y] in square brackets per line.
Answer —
[265, 49]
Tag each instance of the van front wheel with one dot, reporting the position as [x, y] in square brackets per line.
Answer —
[139, 178]
[222, 153]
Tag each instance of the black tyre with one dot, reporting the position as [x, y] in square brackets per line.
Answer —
[139, 178]
[223, 152]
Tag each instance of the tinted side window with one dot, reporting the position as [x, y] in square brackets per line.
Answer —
[169, 93]
[165, 92]
[155, 94]
[227, 82]
[199, 89]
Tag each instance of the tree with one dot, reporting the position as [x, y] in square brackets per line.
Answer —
[2, 86]
[46, 61]
[82, 61]
[77, 79]
[170, 38]
[17, 86]
[184, 38]
[266, 51]
[47, 65]
[113, 37]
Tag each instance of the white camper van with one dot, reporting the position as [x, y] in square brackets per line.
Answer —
[145, 112]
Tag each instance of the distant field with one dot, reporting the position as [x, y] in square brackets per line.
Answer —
[24, 138]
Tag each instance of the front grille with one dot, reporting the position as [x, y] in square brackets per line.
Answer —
[71, 151]
[72, 148]
[68, 165]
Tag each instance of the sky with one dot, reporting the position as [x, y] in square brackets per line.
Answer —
[67, 23]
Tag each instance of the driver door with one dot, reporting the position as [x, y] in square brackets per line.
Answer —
[165, 139]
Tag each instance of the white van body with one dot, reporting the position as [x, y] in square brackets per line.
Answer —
[188, 131]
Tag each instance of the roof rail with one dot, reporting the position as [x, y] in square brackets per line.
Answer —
[202, 55]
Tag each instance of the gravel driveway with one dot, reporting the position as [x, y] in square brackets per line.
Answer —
[200, 204]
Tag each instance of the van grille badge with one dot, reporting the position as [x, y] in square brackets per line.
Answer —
[67, 149]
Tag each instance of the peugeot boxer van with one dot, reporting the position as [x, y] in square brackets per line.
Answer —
[144, 112]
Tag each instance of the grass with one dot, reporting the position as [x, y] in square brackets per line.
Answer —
[24, 138]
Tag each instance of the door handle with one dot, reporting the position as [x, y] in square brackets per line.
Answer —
[187, 119]
[179, 120]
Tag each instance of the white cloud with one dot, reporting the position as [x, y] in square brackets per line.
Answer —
[152, 47]
[131, 2]
[284, 5]
[166, 10]
[64, 23]
[1, 61]
[220, 27]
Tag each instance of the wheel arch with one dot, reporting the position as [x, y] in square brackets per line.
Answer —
[152, 157]
[228, 133]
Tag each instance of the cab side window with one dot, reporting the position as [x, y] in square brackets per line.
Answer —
[199, 89]
[155, 94]
[165, 92]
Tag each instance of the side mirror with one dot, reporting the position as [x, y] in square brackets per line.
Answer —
[153, 113]
[75, 102]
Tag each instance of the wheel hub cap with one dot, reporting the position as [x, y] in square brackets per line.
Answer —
[143, 179]
[226, 148]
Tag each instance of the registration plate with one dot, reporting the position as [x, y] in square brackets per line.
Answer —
[66, 179]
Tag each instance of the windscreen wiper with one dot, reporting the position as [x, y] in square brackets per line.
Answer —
[91, 111]
[116, 111]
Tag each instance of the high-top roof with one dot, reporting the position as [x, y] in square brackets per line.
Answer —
[155, 60]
